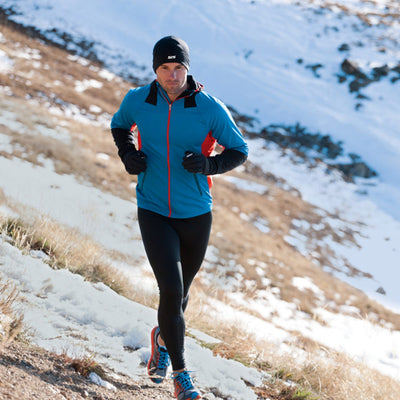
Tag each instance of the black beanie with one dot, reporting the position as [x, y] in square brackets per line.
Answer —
[170, 49]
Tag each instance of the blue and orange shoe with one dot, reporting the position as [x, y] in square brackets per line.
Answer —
[159, 361]
[184, 389]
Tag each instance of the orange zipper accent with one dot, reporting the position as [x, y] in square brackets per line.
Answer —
[168, 149]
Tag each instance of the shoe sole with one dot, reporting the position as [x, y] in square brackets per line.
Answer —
[193, 398]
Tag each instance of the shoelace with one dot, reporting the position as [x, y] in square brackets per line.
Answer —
[184, 379]
[163, 359]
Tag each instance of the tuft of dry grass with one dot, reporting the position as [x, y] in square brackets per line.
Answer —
[84, 365]
[24, 238]
[11, 322]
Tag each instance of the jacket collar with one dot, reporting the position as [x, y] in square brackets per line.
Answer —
[189, 94]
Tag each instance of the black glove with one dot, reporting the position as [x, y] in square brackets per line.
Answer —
[135, 162]
[195, 162]
[224, 162]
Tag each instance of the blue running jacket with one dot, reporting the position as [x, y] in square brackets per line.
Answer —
[194, 122]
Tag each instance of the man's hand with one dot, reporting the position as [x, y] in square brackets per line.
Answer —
[135, 162]
[194, 162]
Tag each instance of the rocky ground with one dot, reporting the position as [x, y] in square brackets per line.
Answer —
[29, 373]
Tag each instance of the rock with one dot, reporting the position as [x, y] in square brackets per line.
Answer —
[314, 68]
[351, 68]
[379, 72]
[356, 169]
[344, 47]
[381, 290]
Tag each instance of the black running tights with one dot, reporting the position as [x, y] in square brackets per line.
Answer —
[175, 248]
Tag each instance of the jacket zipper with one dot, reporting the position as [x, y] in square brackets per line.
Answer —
[168, 157]
[168, 160]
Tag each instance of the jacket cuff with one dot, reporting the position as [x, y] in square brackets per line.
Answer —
[224, 162]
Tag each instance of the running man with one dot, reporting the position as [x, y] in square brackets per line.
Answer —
[178, 125]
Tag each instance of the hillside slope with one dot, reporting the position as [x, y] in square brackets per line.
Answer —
[55, 111]
[29, 372]
[327, 99]
[47, 116]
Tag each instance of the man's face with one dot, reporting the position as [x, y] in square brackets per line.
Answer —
[173, 78]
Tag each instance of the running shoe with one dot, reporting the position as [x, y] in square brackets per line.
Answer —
[159, 360]
[184, 389]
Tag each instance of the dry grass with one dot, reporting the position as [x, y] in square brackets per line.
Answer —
[66, 248]
[280, 261]
[315, 372]
[78, 155]
[386, 15]
[324, 375]
[83, 365]
[342, 378]
[11, 322]
[54, 79]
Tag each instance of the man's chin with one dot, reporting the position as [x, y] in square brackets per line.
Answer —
[175, 86]
[174, 90]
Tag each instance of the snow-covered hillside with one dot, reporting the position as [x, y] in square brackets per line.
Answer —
[65, 313]
[247, 53]
[279, 62]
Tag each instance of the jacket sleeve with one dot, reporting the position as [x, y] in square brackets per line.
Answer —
[124, 141]
[228, 135]
[224, 128]
[121, 124]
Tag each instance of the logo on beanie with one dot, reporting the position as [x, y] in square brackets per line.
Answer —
[171, 57]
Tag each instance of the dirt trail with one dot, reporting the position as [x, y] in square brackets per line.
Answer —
[28, 373]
